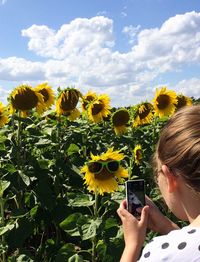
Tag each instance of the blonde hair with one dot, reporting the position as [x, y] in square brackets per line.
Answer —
[179, 145]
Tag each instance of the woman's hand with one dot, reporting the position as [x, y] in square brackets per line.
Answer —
[157, 221]
[134, 231]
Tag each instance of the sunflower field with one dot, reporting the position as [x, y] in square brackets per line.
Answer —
[63, 163]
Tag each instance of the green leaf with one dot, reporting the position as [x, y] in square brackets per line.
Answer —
[75, 258]
[80, 200]
[110, 223]
[10, 168]
[43, 142]
[65, 252]
[3, 139]
[3, 186]
[88, 227]
[72, 149]
[5, 229]
[24, 177]
[24, 258]
[69, 225]
[3, 247]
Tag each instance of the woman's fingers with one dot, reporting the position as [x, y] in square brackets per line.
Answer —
[144, 216]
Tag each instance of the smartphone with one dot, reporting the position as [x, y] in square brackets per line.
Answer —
[135, 195]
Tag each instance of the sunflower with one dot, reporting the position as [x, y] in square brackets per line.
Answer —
[99, 108]
[88, 98]
[164, 102]
[183, 101]
[3, 115]
[137, 154]
[144, 114]
[47, 93]
[105, 181]
[67, 100]
[24, 98]
[120, 119]
[73, 114]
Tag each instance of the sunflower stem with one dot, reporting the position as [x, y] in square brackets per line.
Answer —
[59, 134]
[2, 224]
[94, 239]
[96, 205]
[130, 168]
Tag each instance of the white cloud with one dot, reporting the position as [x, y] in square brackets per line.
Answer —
[189, 87]
[2, 2]
[102, 13]
[4, 94]
[123, 14]
[76, 38]
[19, 69]
[81, 53]
[131, 31]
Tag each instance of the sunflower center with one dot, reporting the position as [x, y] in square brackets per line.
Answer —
[138, 154]
[163, 101]
[104, 175]
[25, 100]
[97, 108]
[181, 102]
[144, 113]
[69, 101]
[45, 94]
[120, 118]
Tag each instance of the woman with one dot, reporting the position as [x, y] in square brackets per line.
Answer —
[177, 171]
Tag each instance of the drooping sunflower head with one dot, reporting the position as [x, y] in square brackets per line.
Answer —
[24, 98]
[183, 101]
[120, 119]
[47, 93]
[103, 172]
[164, 102]
[143, 114]
[3, 115]
[99, 108]
[137, 154]
[87, 99]
[67, 100]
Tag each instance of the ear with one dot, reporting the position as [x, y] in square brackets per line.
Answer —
[171, 179]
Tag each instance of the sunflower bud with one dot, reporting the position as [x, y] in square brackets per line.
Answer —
[67, 100]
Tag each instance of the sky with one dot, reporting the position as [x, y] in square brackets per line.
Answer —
[124, 48]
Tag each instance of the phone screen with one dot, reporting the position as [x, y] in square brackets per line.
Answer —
[135, 195]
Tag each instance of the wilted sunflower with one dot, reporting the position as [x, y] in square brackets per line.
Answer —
[67, 100]
[99, 108]
[47, 93]
[143, 115]
[164, 102]
[104, 172]
[24, 98]
[3, 115]
[137, 154]
[183, 101]
[120, 119]
[87, 99]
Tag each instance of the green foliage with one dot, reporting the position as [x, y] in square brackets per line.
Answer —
[47, 214]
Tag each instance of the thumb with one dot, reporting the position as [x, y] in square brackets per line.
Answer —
[144, 216]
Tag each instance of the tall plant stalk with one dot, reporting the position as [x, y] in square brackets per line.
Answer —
[94, 239]
[2, 224]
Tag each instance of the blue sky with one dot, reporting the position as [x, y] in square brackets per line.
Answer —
[125, 48]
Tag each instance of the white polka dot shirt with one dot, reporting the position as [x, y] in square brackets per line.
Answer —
[181, 245]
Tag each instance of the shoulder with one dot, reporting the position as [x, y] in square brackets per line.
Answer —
[179, 245]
